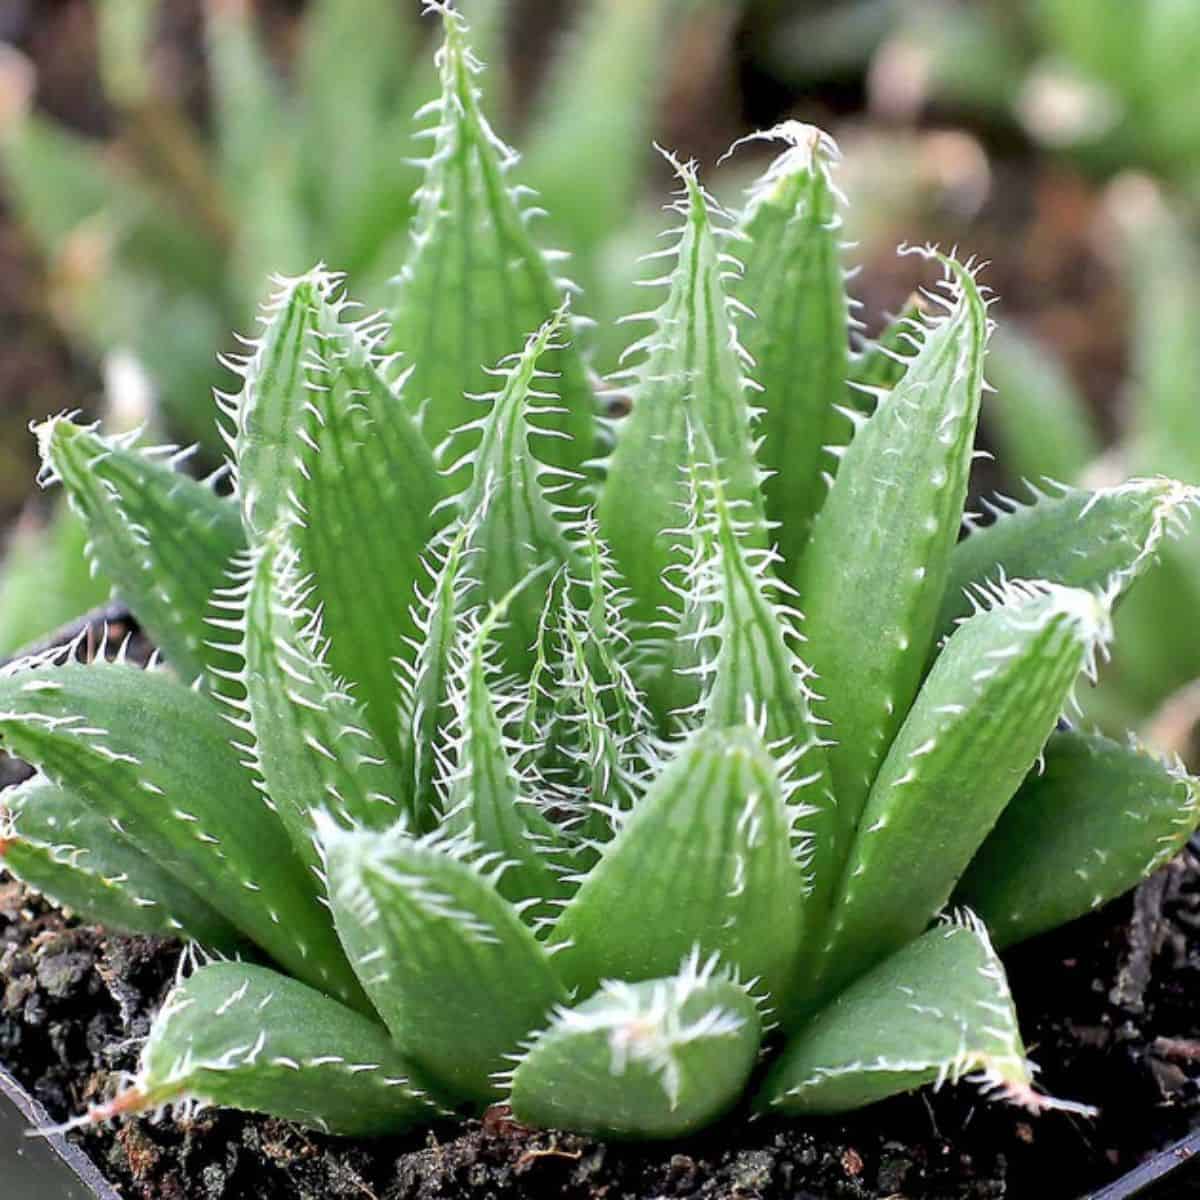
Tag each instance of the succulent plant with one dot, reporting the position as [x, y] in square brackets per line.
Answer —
[539, 786]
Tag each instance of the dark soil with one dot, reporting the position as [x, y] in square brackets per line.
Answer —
[1110, 1008]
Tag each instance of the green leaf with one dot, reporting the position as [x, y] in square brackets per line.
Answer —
[311, 747]
[363, 492]
[1091, 824]
[491, 803]
[1147, 666]
[796, 328]
[704, 860]
[475, 282]
[875, 569]
[64, 848]
[244, 1037]
[455, 974]
[165, 540]
[1041, 423]
[425, 684]
[692, 377]
[657, 1059]
[1103, 540]
[154, 757]
[268, 414]
[979, 722]
[602, 722]
[937, 1011]
[519, 526]
[879, 365]
[758, 672]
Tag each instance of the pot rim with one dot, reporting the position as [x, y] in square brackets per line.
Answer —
[69, 1164]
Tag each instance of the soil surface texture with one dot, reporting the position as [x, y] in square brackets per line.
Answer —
[1110, 1007]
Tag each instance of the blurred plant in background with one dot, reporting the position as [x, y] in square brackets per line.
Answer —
[1113, 82]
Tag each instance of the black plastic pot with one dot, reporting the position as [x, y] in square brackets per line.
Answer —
[1172, 1174]
[41, 1168]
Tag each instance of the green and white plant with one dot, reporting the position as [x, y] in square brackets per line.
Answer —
[539, 786]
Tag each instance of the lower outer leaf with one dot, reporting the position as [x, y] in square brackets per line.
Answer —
[938, 1010]
[977, 726]
[246, 1037]
[646, 1060]
[62, 847]
[1095, 821]
[154, 756]
[1105, 538]
[454, 973]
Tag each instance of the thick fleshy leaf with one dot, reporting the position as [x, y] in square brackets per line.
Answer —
[491, 802]
[1147, 666]
[244, 1037]
[1097, 818]
[363, 492]
[676, 655]
[705, 860]
[937, 1011]
[268, 414]
[797, 329]
[165, 540]
[601, 721]
[652, 1059]
[519, 528]
[875, 569]
[691, 378]
[880, 364]
[454, 972]
[758, 674]
[438, 614]
[475, 282]
[155, 758]
[311, 748]
[1103, 540]
[59, 845]
[977, 726]
[1042, 425]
